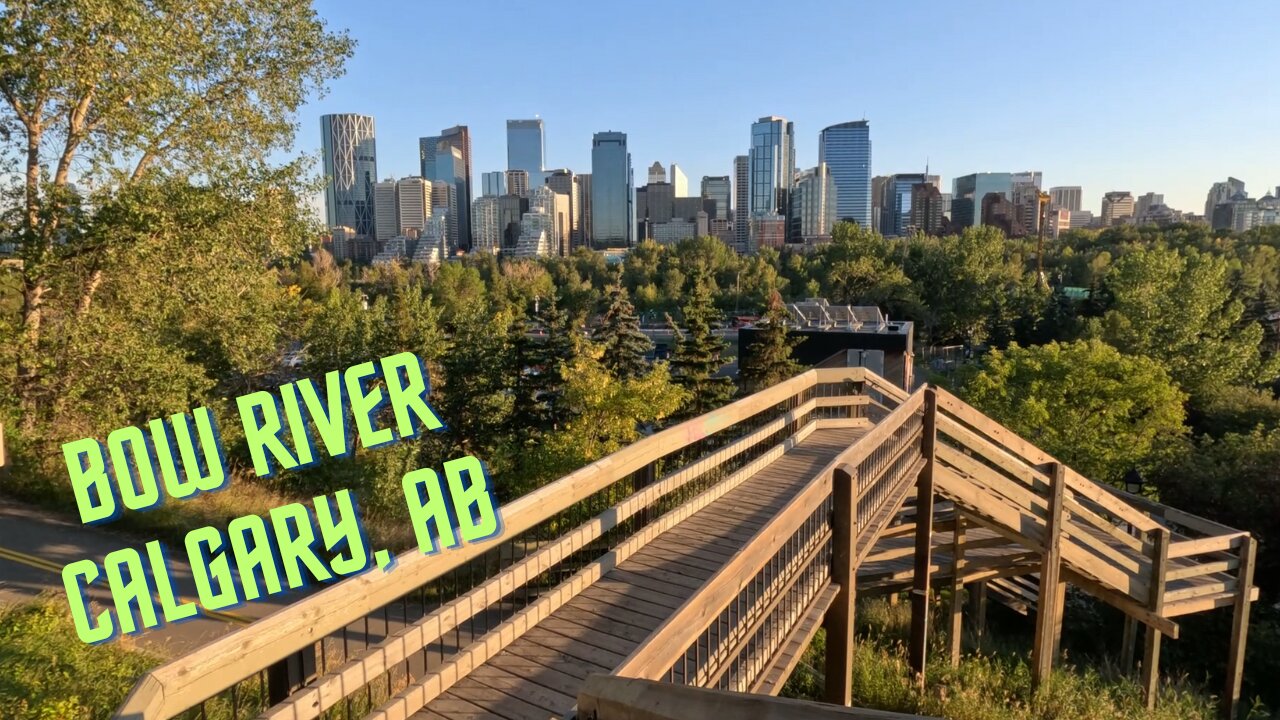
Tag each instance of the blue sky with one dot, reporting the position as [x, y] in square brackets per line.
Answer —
[1140, 96]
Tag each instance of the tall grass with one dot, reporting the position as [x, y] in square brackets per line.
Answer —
[990, 683]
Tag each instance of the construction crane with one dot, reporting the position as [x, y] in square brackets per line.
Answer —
[1044, 220]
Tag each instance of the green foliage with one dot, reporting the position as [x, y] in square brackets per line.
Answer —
[985, 686]
[770, 361]
[697, 356]
[619, 335]
[1235, 409]
[49, 673]
[1177, 307]
[1100, 412]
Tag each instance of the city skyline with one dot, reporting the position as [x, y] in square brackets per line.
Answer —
[1082, 132]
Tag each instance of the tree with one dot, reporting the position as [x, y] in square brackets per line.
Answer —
[619, 336]
[770, 361]
[1177, 308]
[697, 355]
[1098, 411]
[122, 90]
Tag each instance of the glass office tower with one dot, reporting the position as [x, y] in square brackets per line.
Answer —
[612, 204]
[526, 148]
[350, 169]
[897, 220]
[968, 192]
[773, 165]
[846, 150]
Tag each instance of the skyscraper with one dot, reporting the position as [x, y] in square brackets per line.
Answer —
[351, 168]
[526, 148]
[896, 217]
[612, 210]
[451, 168]
[1145, 202]
[584, 197]
[773, 165]
[1222, 192]
[742, 203]
[813, 206]
[494, 184]
[413, 203]
[486, 232]
[657, 173]
[564, 182]
[846, 150]
[1117, 206]
[969, 192]
[716, 193]
[427, 156]
[518, 183]
[386, 218]
[1065, 197]
[679, 181]
[459, 137]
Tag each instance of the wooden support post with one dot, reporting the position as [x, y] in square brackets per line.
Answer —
[978, 613]
[1239, 628]
[1048, 611]
[1061, 605]
[924, 541]
[1155, 603]
[957, 588]
[838, 686]
[288, 675]
[4, 459]
[1128, 644]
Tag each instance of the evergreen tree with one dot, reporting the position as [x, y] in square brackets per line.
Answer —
[620, 337]
[559, 350]
[770, 361]
[697, 355]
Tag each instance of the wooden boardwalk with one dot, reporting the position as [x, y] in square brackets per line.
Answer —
[705, 557]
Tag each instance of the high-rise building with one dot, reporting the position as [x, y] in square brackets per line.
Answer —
[773, 165]
[969, 193]
[1026, 209]
[413, 203]
[555, 206]
[926, 208]
[444, 204]
[350, 161]
[678, 181]
[518, 183]
[846, 150]
[451, 169]
[741, 203]
[386, 217]
[1142, 206]
[1117, 206]
[526, 148]
[511, 209]
[881, 201]
[427, 156]
[657, 173]
[1222, 192]
[716, 193]
[1066, 197]
[494, 184]
[813, 206]
[565, 183]
[486, 233]
[896, 218]
[584, 195]
[999, 212]
[612, 210]
[458, 137]
[768, 230]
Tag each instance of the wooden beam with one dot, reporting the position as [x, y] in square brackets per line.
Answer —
[838, 688]
[924, 540]
[1151, 647]
[1128, 644]
[978, 611]
[957, 589]
[1048, 622]
[1239, 629]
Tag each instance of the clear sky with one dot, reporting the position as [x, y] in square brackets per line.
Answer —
[1141, 96]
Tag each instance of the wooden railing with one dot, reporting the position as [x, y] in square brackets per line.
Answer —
[385, 644]
[727, 634]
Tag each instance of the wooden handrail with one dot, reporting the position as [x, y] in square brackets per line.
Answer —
[656, 655]
[219, 664]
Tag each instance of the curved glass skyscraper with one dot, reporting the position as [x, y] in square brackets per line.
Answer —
[846, 149]
[350, 170]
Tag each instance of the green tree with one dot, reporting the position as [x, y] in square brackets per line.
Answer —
[475, 394]
[121, 91]
[1100, 412]
[697, 356]
[618, 334]
[770, 361]
[1176, 307]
